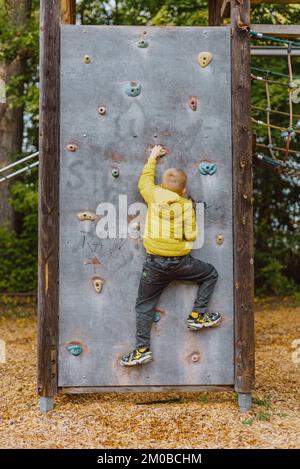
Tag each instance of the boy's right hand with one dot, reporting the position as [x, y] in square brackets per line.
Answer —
[157, 152]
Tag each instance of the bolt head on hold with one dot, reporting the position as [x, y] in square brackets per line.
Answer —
[115, 172]
[132, 89]
[207, 168]
[204, 59]
[102, 110]
[75, 349]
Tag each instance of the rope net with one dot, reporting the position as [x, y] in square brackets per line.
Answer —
[292, 85]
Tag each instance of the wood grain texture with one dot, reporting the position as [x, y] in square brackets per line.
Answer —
[68, 11]
[93, 389]
[242, 192]
[285, 30]
[214, 12]
[48, 198]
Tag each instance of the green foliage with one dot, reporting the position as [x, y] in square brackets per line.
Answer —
[18, 251]
[276, 199]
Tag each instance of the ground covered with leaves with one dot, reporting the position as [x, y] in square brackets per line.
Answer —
[164, 420]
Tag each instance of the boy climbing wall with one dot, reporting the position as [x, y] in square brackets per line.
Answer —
[170, 230]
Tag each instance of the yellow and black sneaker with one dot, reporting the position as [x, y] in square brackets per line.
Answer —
[139, 356]
[198, 321]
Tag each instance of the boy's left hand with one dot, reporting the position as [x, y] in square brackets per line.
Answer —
[157, 152]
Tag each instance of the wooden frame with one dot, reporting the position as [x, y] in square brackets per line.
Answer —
[49, 196]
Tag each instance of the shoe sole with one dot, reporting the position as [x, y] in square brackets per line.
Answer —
[136, 362]
[197, 327]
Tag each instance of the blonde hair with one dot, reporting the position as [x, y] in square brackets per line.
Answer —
[175, 180]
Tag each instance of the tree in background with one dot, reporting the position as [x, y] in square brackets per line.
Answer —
[276, 200]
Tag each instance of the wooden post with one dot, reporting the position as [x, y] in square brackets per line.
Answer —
[242, 204]
[48, 199]
[214, 12]
[68, 11]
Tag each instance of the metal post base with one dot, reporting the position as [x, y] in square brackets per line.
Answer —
[245, 401]
[46, 404]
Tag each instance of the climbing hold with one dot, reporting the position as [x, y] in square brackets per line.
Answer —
[87, 59]
[195, 357]
[101, 110]
[219, 239]
[98, 284]
[71, 147]
[204, 59]
[115, 172]
[87, 215]
[207, 169]
[156, 316]
[75, 349]
[132, 89]
[193, 103]
[142, 43]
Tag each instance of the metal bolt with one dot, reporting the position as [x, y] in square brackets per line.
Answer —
[243, 163]
[195, 357]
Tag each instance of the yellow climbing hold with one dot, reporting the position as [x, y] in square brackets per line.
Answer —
[204, 59]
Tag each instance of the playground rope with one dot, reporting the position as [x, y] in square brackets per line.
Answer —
[262, 145]
[287, 168]
[274, 39]
[290, 85]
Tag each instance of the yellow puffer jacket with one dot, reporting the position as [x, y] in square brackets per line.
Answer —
[170, 226]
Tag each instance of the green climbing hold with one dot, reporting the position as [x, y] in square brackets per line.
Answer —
[75, 349]
[142, 44]
[115, 172]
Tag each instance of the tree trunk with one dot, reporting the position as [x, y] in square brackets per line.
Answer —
[11, 119]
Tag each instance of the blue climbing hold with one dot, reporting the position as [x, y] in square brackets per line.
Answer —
[132, 89]
[75, 349]
[156, 316]
[206, 168]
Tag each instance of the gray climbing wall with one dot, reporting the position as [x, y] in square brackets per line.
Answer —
[106, 133]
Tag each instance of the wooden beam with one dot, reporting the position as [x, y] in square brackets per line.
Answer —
[48, 198]
[242, 197]
[68, 11]
[282, 30]
[225, 9]
[214, 12]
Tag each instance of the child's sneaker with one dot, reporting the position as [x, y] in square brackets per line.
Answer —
[198, 321]
[139, 356]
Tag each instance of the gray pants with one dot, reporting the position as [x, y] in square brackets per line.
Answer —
[157, 273]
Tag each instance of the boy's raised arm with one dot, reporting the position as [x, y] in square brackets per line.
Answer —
[147, 178]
